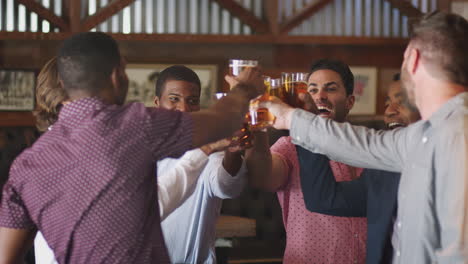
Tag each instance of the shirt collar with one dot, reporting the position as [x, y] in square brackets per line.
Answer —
[78, 109]
[448, 108]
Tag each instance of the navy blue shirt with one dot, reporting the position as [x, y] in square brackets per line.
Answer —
[373, 195]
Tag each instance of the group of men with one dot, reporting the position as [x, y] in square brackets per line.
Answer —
[101, 183]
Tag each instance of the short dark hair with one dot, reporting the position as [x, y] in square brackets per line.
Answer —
[86, 60]
[442, 40]
[339, 67]
[177, 73]
[396, 77]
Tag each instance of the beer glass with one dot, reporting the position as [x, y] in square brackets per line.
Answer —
[294, 84]
[260, 118]
[237, 66]
[276, 88]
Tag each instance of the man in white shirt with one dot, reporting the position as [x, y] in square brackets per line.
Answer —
[192, 187]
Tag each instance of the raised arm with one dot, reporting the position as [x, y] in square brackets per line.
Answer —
[323, 194]
[177, 182]
[227, 115]
[227, 176]
[265, 170]
[354, 145]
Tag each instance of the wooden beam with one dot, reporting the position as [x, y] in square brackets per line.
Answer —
[244, 15]
[306, 12]
[446, 5]
[74, 14]
[219, 39]
[45, 13]
[332, 40]
[406, 8]
[272, 9]
[17, 119]
[105, 13]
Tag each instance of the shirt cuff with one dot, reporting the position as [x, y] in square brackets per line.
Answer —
[300, 125]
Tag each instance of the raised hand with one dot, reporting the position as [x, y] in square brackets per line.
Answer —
[219, 145]
[282, 112]
[251, 77]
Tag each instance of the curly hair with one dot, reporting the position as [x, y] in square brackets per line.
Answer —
[49, 96]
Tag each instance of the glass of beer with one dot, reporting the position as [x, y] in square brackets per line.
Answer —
[276, 88]
[237, 66]
[260, 118]
[294, 84]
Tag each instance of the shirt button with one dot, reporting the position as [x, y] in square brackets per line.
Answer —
[424, 139]
[298, 138]
[399, 224]
[398, 253]
[355, 235]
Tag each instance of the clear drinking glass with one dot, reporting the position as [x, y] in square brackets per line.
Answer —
[237, 66]
[260, 118]
[276, 88]
[294, 83]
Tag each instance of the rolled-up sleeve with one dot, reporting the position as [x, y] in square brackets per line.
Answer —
[222, 184]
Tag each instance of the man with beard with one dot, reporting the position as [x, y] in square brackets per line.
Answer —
[311, 237]
[373, 195]
[431, 224]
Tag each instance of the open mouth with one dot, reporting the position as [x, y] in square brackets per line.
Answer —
[324, 110]
[394, 125]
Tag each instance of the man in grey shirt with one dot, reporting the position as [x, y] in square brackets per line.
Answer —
[432, 220]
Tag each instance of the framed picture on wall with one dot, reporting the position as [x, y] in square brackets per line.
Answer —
[365, 90]
[142, 79]
[17, 89]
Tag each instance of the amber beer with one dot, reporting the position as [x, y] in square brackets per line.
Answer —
[294, 84]
[293, 89]
[260, 118]
[276, 89]
[237, 66]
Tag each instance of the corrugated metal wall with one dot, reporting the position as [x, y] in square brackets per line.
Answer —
[357, 18]
[176, 17]
[369, 18]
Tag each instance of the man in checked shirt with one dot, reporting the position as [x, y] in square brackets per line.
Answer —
[88, 184]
